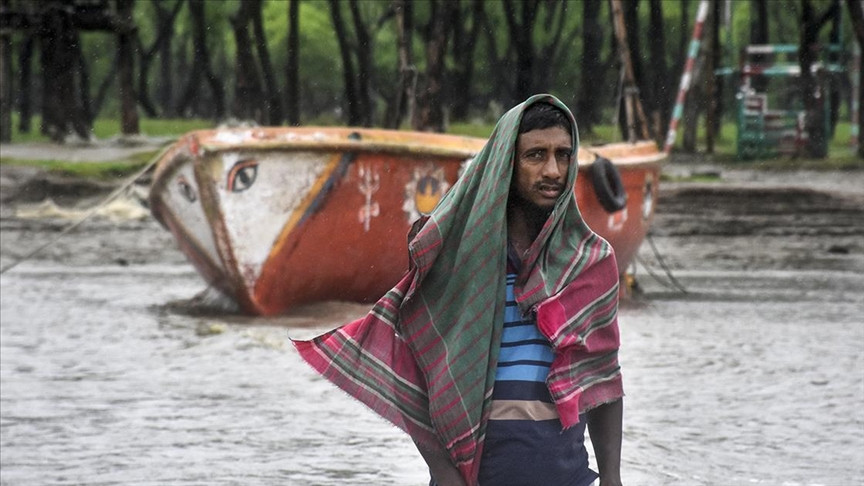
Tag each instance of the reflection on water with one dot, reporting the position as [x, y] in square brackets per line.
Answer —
[752, 378]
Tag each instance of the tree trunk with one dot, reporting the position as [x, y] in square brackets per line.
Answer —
[248, 94]
[587, 112]
[499, 68]
[364, 66]
[25, 85]
[464, 41]
[856, 17]
[292, 88]
[5, 82]
[273, 102]
[759, 35]
[61, 112]
[556, 14]
[83, 73]
[164, 31]
[126, 54]
[201, 66]
[403, 103]
[711, 120]
[683, 41]
[835, 58]
[166, 72]
[522, 41]
[812, 86]
[661, 97]
[351, 101]
[430, 114]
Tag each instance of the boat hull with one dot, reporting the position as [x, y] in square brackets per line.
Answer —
[278, 217]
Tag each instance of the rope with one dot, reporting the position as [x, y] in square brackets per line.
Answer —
[672, 282]
[123, 187]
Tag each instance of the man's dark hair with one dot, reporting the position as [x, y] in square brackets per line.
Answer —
[543, 115]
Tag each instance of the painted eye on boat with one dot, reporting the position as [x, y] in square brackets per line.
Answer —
[186, 189]
[242, 175]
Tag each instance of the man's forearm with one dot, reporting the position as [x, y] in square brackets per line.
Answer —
[441, 467]
[604, 425]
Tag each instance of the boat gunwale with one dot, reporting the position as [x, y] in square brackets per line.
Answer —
[190, 149]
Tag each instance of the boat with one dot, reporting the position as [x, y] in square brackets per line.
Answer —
[277, 217]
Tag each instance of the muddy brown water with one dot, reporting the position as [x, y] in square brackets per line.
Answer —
[112, 372]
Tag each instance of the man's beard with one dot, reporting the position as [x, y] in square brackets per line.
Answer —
[532, 211]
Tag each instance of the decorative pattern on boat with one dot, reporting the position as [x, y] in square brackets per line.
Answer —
[257, 194]
[369, 181]
[183, 199]
[423, 191]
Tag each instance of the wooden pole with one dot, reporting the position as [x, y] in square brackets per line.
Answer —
[631, 91]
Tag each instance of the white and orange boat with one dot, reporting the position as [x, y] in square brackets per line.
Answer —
[278, 217]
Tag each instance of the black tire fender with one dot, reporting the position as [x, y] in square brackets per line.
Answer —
[607, 185]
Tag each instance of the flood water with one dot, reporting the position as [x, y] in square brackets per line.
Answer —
[109, 376]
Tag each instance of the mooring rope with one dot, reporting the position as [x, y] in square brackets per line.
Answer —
[123, 187]
[672, 281]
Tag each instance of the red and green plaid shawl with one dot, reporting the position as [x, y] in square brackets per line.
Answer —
[424, 357]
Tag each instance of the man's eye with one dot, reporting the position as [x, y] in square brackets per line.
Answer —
[535, 155]
[563, 156]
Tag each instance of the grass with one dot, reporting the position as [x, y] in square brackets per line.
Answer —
[106, 128]
[104, 171]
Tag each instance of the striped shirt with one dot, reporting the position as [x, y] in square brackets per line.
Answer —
[525, 444]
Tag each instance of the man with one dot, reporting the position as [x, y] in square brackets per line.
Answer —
[501, 341]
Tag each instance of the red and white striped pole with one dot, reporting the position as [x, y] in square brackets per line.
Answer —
[686, 78]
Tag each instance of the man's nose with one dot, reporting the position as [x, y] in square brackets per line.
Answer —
[551, 168]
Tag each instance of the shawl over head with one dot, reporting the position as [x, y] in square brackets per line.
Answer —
[425, 356]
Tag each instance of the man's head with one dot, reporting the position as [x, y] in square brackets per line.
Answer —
[544, 149]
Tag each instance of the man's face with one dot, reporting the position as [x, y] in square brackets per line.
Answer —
[542, 159]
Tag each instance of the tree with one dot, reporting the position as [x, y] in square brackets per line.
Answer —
[856, 15]
[351, 97]
[292, 71]
[25, 84]
[659, 97]
[466, 30]
[5, 83]
[165, 18]
[403, 103]
[430, 102]
[248, 92]
[759, 35]
[125, 53]
[201, 65]
[62, 111]
[273, 101]
[363, 50]
[811, 86]
[588, 110]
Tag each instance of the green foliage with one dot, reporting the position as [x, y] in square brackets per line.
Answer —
[321, 80]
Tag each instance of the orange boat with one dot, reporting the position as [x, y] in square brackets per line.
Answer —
[277, 217]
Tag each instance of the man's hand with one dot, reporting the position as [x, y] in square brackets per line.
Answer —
[604, 426]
